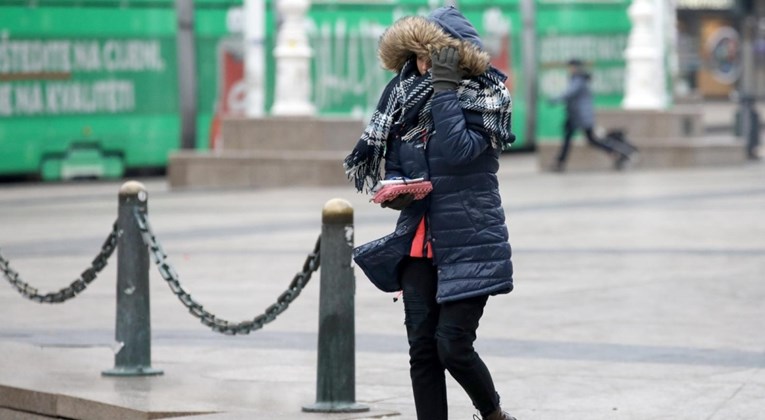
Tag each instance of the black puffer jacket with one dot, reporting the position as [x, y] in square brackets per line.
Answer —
[464, 215]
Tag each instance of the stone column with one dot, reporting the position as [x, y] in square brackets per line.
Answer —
[645, 84]
[671, 49]
[293, 61]
[254, 56]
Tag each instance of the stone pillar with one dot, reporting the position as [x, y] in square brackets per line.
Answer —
[293, 61]
[254, 56]
[671, 49]
[531, 85]
[645, 84]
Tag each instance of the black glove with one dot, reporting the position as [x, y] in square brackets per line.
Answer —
[446, 69]
[398, 203]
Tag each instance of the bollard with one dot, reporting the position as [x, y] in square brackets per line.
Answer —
[132, 355]
[336, 373]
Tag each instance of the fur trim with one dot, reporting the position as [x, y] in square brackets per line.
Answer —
[417, 35]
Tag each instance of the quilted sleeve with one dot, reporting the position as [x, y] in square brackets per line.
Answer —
[459, 141]
[392, 160]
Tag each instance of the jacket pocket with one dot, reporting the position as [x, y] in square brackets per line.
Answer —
[380, 260]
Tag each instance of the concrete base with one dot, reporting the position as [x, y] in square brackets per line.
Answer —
[645, 126]
[291, 133]
[335, 407]
[33, 404]
[7, 414]
[269, 153]
[265, 169]
[124, 372]
[669, 153]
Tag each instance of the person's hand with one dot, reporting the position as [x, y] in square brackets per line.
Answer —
[398, 203]
[446, 70]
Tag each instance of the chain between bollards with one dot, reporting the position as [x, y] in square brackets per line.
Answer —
[76, 287]
[133, 239]
[137, 242]
[336, 373]
[170, 275]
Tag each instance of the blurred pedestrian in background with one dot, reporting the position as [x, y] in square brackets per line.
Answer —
[580, 115]
[444, 117]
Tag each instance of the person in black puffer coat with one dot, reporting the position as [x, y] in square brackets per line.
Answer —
[444, 117]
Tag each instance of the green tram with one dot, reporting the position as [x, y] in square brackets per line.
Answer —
[90, 88]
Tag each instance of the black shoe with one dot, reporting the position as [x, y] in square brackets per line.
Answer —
[626, 160]
[500, 415]
[621, 162]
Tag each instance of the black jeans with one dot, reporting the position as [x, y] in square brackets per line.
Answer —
[568, 134]
[441, 337]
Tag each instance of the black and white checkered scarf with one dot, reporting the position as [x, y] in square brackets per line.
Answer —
[406, 101]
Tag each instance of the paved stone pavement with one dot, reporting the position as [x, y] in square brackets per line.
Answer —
[639, 295]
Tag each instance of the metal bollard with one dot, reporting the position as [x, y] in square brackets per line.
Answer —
[132, 356]
[336, 373]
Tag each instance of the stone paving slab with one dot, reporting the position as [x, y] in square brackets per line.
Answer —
[638, 296]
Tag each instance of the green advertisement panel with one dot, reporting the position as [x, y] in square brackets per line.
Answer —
[219, 54]
[593, 31]
[81, 88]
[347, 77]
[90, 88]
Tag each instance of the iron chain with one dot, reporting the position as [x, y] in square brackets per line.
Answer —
[168, 273]
[76, 287]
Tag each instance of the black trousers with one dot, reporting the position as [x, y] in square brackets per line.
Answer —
[441, 338]
[568, 134]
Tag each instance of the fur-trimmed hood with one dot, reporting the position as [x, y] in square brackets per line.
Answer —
[417, 35]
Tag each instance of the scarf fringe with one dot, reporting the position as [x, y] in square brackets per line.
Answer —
[357, 170]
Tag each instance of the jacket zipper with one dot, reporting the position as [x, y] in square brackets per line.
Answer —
[426, 242]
